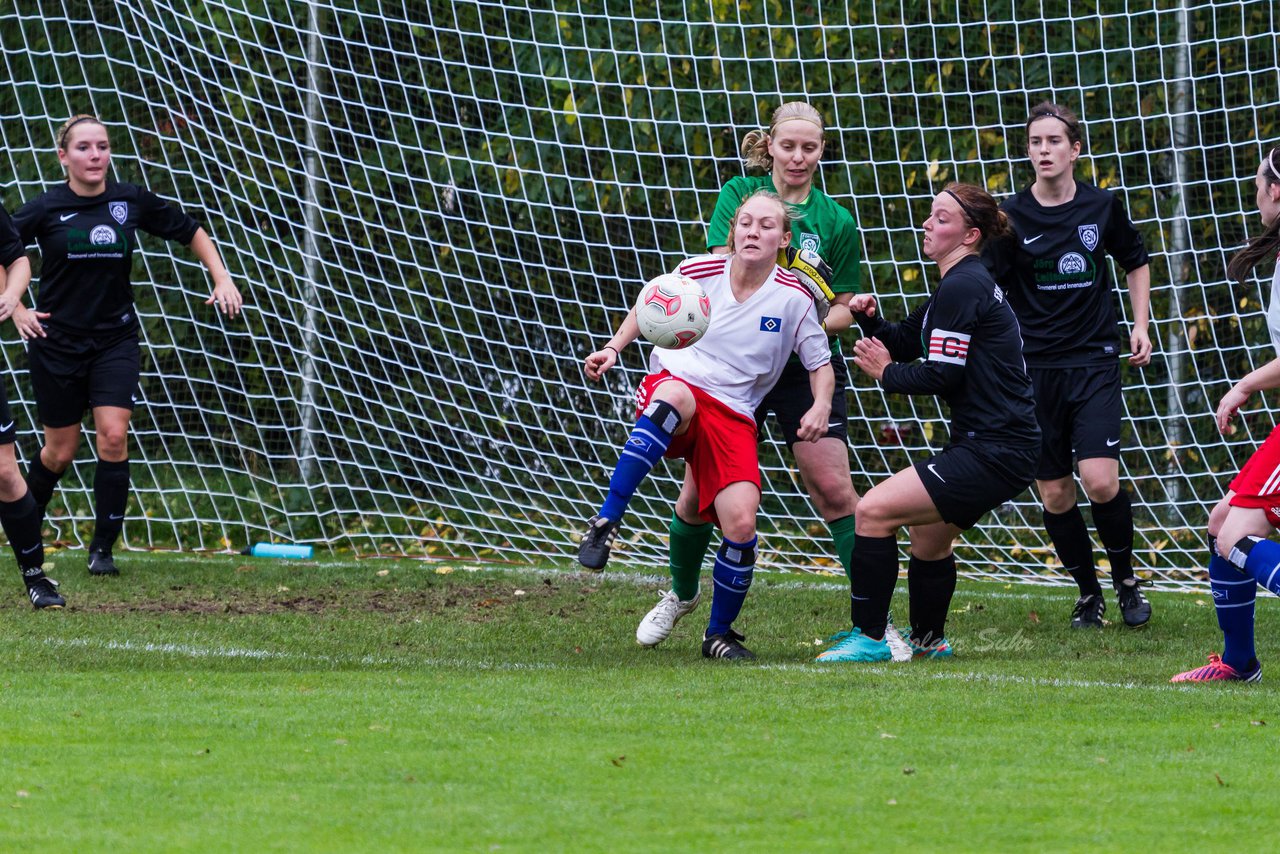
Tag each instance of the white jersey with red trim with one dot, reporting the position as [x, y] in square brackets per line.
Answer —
[747, 345]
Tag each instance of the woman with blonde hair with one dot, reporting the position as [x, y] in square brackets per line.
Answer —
[824, 253]
[83, 337]
[697, 403]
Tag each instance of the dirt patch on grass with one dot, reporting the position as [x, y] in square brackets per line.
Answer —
[481, 601]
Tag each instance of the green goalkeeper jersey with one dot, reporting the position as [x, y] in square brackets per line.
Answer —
[826, 228]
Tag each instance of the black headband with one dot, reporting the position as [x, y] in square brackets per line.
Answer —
[1049, 114]
[968, 211]
[62, 140]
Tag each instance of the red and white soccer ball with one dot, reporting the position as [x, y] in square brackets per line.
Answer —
[673, 311]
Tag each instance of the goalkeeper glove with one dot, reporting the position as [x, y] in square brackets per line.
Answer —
[814, 273]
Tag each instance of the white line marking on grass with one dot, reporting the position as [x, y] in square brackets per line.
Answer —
[169, 648]
[191, 651]
[970, 676]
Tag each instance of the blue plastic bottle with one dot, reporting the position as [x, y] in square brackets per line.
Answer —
[287, 550]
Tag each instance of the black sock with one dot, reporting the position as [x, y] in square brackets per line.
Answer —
[41, 481]
[873, 574]
[1114, 521]
[110, 495]
[931, 584]
[21, 522]
[1071, 541]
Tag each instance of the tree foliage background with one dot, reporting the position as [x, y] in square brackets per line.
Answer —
[437, 208]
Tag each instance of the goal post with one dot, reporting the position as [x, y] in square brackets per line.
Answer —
[437, 209]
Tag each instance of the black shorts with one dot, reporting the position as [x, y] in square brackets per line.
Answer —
[792, 397]
[969, 480]
[1079, 412]
[71, 374]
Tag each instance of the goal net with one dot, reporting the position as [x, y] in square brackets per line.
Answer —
[437, 209]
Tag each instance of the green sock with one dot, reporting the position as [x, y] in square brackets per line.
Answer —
[842, 535]
[688, 549]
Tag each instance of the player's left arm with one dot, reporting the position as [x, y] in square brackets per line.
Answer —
[16, 277]
[16, 268]
[225, 293]
[814, 423]
[158, 217]
[1125, 243]
[811, 345]
[1139, 284]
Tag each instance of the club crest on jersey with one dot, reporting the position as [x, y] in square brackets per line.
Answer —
[770, 324]
[810, 242]
[1089, 236]
[119, 211]
[1072, 264]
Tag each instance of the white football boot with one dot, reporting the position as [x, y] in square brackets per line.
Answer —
[658, 623]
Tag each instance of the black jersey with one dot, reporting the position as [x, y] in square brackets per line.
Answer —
[86, 248]
[1054, 269]
[969, 337]
[11, 246]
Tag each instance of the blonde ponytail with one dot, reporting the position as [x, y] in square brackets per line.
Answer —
[755, 151]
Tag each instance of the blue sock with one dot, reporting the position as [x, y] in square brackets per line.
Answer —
[1234, 593]
[732, 577]
[1259, 558]
[645, 446]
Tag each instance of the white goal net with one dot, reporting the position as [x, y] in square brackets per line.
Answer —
[436, 209]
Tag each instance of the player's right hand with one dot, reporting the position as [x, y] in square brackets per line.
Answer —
[28, 323]
[1227, 408]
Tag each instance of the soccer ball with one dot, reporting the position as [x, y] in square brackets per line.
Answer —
[673, 311]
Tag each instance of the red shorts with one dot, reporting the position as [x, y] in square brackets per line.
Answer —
[1258, 484]
[719, 446]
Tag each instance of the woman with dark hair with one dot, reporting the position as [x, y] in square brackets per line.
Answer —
[1054, 269]
[83, 349]
[968, 337]
[1240, 558]
[19, 515]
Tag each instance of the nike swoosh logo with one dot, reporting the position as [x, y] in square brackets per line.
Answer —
[65, 217]
[4, 427]
[935, 473]
[1111, 443]
[1027, 240]
[115, 516]
[30, 550]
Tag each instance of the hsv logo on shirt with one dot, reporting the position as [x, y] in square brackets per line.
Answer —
[770, 324]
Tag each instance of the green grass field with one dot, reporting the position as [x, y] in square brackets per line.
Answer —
[220, 703]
